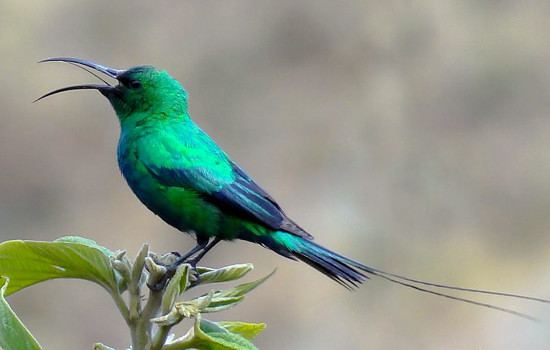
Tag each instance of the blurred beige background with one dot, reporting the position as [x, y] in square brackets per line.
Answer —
[413, 136]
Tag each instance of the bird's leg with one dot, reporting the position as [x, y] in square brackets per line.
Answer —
[171, 269]
[193, 262]
[202, 244]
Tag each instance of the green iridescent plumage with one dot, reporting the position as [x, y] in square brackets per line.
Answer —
[185, 178]
[180, 173]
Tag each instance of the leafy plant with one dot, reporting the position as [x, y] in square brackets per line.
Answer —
[24, 263]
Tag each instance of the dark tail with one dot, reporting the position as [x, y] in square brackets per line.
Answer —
[351, 273]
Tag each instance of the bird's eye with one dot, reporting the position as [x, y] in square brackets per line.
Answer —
[134, 84]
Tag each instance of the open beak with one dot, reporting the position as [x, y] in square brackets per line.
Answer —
[103, 89]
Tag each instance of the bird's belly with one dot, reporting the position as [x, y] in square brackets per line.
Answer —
[182, 208]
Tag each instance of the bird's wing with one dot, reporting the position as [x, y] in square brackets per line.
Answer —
[208, 171]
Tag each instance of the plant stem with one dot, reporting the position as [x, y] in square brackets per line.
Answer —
[121, 305]
[159, 338]
[151, 310]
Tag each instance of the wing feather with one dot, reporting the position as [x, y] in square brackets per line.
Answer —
[237, 195]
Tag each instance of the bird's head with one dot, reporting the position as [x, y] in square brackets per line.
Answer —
[141, 89]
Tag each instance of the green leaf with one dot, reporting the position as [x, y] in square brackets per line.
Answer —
[247, 330]
[202, 269]
[224, 299]
[226, 341]
[208, 326]
[208, 335]
[244, 288]
[184, 281]
[176, 286]
[87, 242]
[28, 262]
[222, 303]
[228, 273]
[13, 334]
[214, 337]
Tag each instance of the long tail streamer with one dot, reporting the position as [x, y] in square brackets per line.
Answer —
[351, 273]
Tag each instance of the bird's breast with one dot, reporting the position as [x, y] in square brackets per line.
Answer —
[182, 208]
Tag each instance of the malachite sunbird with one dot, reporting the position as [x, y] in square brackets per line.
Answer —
[185, 178]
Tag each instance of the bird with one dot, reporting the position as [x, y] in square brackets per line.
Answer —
[181, 174]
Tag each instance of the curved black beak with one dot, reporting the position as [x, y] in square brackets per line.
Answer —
[101, 88]
[104, 89]
[113, 73]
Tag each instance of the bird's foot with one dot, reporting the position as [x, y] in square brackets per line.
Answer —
[161, 284]
[195, 277]
[171, 262]
[176, 254]
[168, 261]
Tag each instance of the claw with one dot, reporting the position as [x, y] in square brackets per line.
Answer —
[196, 279]
[195, 276]
[162, 273]
[167, 260]
[161, 284]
